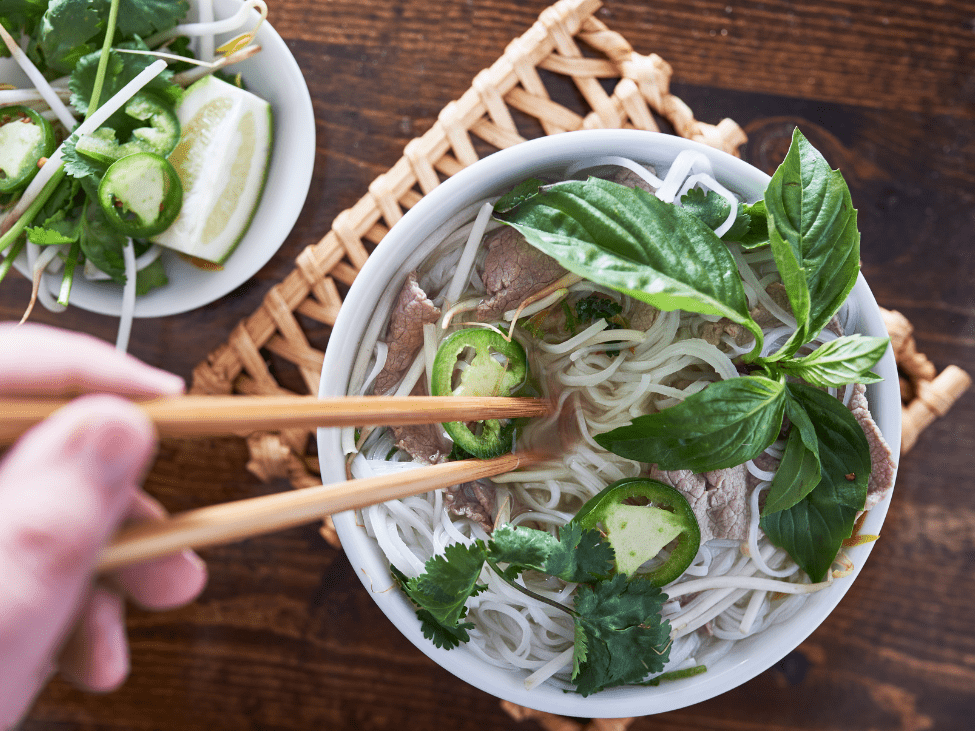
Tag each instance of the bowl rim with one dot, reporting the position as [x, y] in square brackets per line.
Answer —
[105, 298]
[777, 641]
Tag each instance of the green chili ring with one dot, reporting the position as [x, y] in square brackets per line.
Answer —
[493, 366]
[141, 195]
[602, 509]
[26, 138]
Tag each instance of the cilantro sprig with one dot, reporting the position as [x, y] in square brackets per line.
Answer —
[670, 257]
[620, 637]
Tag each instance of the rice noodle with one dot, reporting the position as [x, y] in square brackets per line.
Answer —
[128, 297]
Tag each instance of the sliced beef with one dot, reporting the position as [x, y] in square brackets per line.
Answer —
[625, 176]
[642, 315]
[881, 458]
[727, 502]
[513, 271]
[761, 315]
[413, 309]
[424, 442]
[714, 332]
[718, 499]
[474, 500]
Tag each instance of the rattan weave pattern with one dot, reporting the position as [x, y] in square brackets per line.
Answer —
[484, 117]
[640, 96]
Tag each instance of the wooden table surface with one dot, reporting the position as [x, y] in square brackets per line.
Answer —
[285, 637]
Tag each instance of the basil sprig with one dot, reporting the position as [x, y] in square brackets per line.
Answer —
[727, 423]
[814, 239]
[669, 256]
[813, 529]
[631, 241]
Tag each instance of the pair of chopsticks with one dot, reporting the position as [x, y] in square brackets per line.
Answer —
[187, 416]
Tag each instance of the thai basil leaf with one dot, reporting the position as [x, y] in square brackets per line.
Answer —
[814, 238]
[519, 194]
[627, 239]
[726, 424]
[813, 529]
[839, 362]
[799, 471]
[713, 210]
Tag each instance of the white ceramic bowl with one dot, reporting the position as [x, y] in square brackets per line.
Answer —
[385, 270]
[273, 75]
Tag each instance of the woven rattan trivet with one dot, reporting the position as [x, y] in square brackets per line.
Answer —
[554, 44]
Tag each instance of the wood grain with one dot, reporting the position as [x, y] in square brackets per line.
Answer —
[285, 636]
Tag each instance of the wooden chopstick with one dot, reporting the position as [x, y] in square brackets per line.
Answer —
[235, 521]
[189, 416]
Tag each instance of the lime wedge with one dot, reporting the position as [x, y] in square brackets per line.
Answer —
[222, 160]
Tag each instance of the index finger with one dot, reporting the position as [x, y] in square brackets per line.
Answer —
[36, 360]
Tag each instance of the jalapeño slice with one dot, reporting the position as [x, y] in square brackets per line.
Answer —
[25, 138]
[160, 136]
[141, 195]
[640, 517]
[479, 362]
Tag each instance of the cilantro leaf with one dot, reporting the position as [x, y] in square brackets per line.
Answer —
[620, 636]
[121, 69]
[20, 14]
[582, 555]
[54, 234]
[578, 555]
[524, 547]
[440, 634]
[71, 29]
[145, 17]
[87, 172]
[448, 582]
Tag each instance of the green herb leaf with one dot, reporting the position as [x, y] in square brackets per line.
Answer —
[57, 234]
[440, 634]
[713, 209]
[145, 17]
[813, 529]
[87, 172]
[448, 582]
[577, 555]
[522, 192]
[620, 636]
[839, 362]
[150, 277]
[581, 556]
[757, 234]
[727, 423]
[20, 14]
[101, 244]
[814, 238]
[799, 471]
[596, 307]
[627, 239]
[69, 30]
[121, 69]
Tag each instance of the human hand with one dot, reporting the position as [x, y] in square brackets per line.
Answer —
[65, 488]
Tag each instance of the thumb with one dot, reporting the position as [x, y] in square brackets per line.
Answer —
[63, 489]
